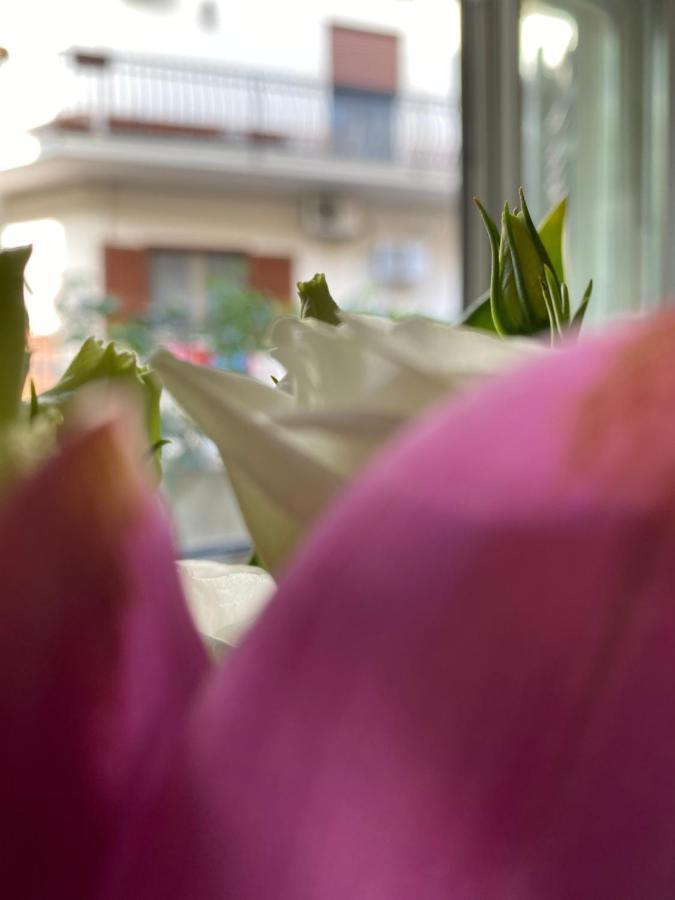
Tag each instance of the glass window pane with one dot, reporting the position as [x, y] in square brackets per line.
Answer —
[595, 127]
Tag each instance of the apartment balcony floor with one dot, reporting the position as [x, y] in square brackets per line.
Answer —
[73, 158]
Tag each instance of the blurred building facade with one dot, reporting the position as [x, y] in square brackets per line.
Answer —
[173, 141]
[151, 149]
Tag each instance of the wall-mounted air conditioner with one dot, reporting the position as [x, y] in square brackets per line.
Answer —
[331, 217]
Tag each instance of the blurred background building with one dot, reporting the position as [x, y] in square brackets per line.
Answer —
[179, 164]
[179, 141]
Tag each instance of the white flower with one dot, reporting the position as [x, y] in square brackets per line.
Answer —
[224, 600]
[289, 449]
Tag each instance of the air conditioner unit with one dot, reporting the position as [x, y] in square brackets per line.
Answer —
[331, 217]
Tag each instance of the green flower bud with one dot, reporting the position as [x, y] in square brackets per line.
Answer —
[527, 292]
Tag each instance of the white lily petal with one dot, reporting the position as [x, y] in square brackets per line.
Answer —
[254, 450]
[330, 369]
[348, 437]
[346, 421]
[348, 389]
[452, 354]
[325, 369]
[224, 600]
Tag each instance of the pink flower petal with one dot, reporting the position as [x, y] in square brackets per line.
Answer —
[98, 663]
[464, 687]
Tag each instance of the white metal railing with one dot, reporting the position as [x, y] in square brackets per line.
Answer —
[153, 96]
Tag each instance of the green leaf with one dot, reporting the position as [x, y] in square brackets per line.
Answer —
[488, 221]
[157, 446]
[512, 313]
[254, 560]
[479, 314]
[534, 234]
[583, 306]
[316, 301]
[553, 330]
[528, 270]
[553, 314]
[565, 292]
[34, 405]
[551, 231]
[13, 331]
[495, 285]
[556, 297]
[97, 361]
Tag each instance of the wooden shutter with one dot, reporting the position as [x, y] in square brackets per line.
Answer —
[127, 279]
[271, 275]
[366, 60]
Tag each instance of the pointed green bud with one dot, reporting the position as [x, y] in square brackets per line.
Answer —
[527, 290]
[316, 301]
[528, 270]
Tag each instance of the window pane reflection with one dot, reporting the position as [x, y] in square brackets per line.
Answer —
[595, 126]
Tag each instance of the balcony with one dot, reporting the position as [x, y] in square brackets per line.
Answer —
[132, 117]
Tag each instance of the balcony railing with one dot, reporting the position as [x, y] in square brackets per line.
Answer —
[148, 97]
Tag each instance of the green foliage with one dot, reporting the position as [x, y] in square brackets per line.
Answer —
[316, 301]
[133, 333]
[28, 429]
[479, 314]
[13, 332]
[238, 320]
[551, 232]
[234, 325]
[528, 294]
[101, 362]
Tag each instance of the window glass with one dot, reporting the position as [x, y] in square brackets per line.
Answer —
[185, 284]
[596, 122]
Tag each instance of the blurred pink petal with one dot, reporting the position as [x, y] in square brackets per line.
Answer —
[98, 663]
[464, 688]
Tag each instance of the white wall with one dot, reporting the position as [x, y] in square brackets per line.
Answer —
[94, 217]
[283, 35]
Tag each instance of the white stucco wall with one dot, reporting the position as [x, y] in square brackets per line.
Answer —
[290, 36]
[94, 217]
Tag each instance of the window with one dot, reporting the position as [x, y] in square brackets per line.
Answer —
[185, 284]
[362, 123]
[596, 121]
[365, 82]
